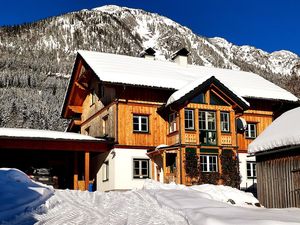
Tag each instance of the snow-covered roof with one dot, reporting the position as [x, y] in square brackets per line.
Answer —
[190, 87]
[43, 134]
[283, 132]
[154, 73]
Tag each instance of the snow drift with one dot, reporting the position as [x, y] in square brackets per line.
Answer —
[18, 193]
[155, 203]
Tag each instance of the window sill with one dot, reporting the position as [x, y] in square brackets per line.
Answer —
[173, 133]
[190, 130]
[225, 132]
[141, 132]
[105, 180]
[140, 178]
[250, 138]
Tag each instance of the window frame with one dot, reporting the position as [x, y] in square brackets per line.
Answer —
[105, 125]
[206, 121]
[248, 130]
[208, 161]
[93, 97]
[140, 168]
[140, 117]
[188, 119]
[252, 169]
[172, 122]
[105, 175]
[228, 121]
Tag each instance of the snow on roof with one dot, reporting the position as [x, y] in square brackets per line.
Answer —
[42, 134]
[154, 73]
[284, 131]
[191, 86]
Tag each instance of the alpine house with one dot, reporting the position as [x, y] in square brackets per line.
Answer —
[161, 114]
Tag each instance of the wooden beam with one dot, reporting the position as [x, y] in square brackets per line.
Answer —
[86, 169]
[75, 109]
[75, 171]
[82, 87]
[164, 165]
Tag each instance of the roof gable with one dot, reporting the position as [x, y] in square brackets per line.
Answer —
[188, 92]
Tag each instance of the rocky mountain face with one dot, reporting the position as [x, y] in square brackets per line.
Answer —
[36, 59]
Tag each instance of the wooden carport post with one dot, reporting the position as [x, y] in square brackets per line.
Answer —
[87, 169]
[76, 171]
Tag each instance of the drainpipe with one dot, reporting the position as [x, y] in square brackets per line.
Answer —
[180, 150]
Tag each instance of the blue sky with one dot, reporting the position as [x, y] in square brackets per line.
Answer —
[267, 24]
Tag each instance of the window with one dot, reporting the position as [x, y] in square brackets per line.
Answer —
[172, 122]
[251, 130]
[216, 100]
[140, 168]
[93, 97]
[225, 118]
[209, 163]
[207, 120]
[189, 119]
[207, 126]
[87, 131]
[105, 171]
[251, 169]
[105, 125]
[140, 123]
[199, 99]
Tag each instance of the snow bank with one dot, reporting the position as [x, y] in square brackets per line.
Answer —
[219, 193]
[227, 194]
[284, 131]
[156, 203]
[18, 193]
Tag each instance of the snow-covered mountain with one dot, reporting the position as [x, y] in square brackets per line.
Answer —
[37, 58]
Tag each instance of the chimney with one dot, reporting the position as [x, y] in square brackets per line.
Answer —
[149, 53]
[181, 57]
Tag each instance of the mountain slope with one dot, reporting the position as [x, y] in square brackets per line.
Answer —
[36, 59]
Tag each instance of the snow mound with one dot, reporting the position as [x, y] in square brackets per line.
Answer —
[219, 193]
[18, 193]
[227, 194]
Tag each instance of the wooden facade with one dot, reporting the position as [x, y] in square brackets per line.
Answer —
[107, 110]
[278, 174]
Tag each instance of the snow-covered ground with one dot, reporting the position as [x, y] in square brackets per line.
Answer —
[26, 202]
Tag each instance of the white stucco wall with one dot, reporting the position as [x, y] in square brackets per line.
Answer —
[246, 183]
[121, 170]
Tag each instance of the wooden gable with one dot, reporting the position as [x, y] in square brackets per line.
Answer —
[212, 92]
[78, 89]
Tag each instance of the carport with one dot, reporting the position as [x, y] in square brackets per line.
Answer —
[70, 154]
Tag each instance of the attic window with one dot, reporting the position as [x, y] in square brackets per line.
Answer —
[199, 99]
[216, 100]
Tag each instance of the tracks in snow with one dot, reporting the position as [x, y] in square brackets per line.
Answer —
[118, 208]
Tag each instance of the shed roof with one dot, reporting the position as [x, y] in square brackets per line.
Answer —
[31, 139]
[43, 134]
[283, 132]
[154, 73]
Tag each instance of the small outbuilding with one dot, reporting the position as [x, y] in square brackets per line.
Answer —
[277, 151]
[70, 155]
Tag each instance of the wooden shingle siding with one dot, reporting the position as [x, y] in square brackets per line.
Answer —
[278, 179]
